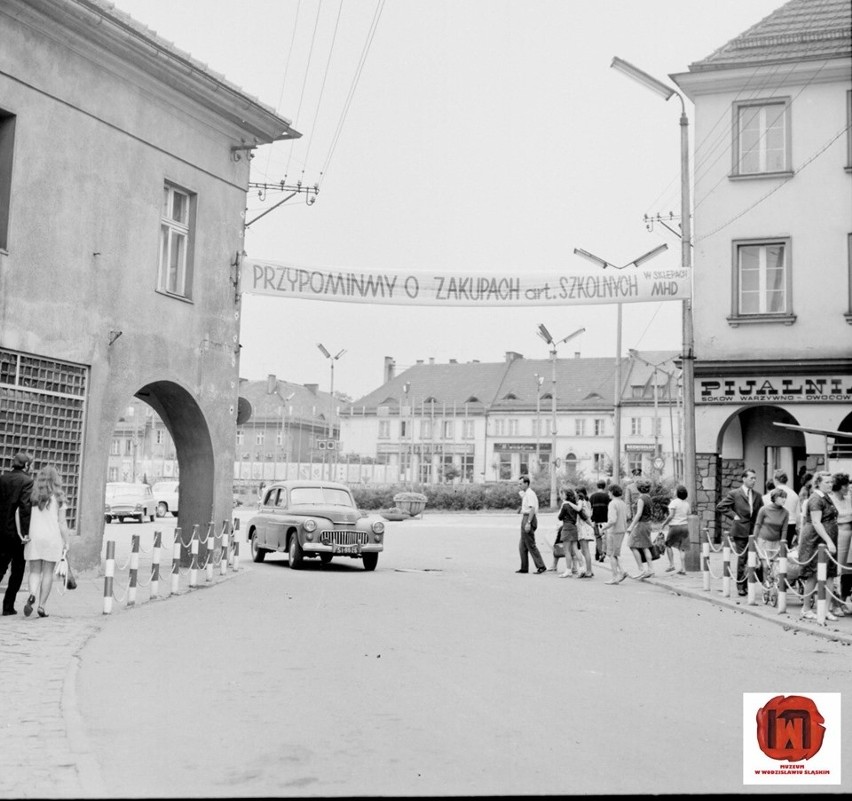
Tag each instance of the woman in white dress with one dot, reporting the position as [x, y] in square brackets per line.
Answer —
[48, 536]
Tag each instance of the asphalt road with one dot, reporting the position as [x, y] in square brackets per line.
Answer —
[441, 673]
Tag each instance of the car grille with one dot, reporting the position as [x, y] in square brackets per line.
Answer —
[344, 537]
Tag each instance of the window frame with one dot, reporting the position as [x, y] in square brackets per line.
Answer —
[635, 426]
[848, 314]
[738, 317]
[736, 156]
[580, 427]
[180, 228]
[8, 123]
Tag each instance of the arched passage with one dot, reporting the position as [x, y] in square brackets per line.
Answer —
[188, 428]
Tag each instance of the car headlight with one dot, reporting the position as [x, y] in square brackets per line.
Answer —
[378, 527]
[309, 525]
[106, 508]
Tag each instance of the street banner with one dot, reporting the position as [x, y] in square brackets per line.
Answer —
[439, 288]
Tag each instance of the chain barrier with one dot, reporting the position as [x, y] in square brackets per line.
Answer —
[780, 574]
[225, 553]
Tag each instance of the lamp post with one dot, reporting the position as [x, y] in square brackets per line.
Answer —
[539, 380]
[331, 361]
[688, 356]
[616, 433]
[545, 335]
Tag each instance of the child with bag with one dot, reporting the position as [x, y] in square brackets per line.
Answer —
[48, 536]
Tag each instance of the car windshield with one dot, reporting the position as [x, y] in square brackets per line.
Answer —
[134, 490]
[321, 495]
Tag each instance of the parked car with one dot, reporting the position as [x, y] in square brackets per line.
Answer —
[314, 519]
[166, 494]
[125, 500]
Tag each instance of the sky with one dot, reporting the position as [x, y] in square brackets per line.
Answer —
[484, 136]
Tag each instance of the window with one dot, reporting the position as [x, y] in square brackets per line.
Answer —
[467, 429]
[7, 142]
[240, 437]
[449, 429]
[384, 429]
[505, 467]
[499, 427]
[425, 429]
[115, 450]
[279, 438]
[636, 426]
[634, 462]
[128, 446]
[159, 436]
[580, 428]
[404, 430]
[175, 271]
[258, 437]
[513, 427]
[761, 137]
[761, 288]
[600, 426]
[467, 466]
[600, 461]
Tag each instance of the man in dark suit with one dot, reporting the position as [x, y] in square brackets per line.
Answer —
[15, 487]
[742, 504]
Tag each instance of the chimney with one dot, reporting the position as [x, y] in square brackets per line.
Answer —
[271, 384]
[431, 360]
[576, 354]
[420, 361]
[312, 388]
[390, 369]
[454, 361]
[512, 355]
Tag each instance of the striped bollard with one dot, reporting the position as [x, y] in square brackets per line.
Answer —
[751, 571]
[822, 573]
[726, 569]
[236, 544]
[176, 563]
[211, 547]
[155, 564]
[223, 561]
[109, 572]
[134, 570]
[705, 563]
[781, 601]
[193, 565]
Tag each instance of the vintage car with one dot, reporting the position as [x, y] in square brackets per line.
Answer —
[166, 494]
[314, 519]
[125, 500]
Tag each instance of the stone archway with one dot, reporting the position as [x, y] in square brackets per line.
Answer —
[189, 430]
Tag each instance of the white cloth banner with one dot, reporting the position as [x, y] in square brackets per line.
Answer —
[552, 288]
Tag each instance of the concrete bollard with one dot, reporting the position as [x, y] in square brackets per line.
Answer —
[155, 564]
[109, 573]
[176, 563]
[134, 570]
[236, 538]
[726, 568]
[193, 564]
[751, 571]
[211, 547]
[822, 574]
[705, 563]
[223, 557]
[781, 601]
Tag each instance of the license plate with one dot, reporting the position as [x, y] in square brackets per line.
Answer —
[347, 549]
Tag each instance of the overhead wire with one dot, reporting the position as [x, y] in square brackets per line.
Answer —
[356, 78]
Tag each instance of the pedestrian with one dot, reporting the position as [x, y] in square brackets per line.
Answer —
[770, 528]
[15, 486]
[529, 524]
[585, 531]
[742, 504]
[820, 528]
[639, 531]
[840, 497]
[48, 537]
[599, 500]
[568, 513]
[613, 530]
[631, 491]
[766, 498]
[677, 536]
[804, 493]
[791, 504]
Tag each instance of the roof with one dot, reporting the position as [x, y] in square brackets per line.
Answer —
[800, 30]
[581, 383]
[307, 405]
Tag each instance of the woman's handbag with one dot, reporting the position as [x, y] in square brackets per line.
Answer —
[558, 545]
[63, 571]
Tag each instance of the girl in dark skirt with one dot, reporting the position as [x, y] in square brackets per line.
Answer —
[568, 516]
[639, 532]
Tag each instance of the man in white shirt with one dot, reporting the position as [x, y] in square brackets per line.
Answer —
[529, 523]
[791, 504]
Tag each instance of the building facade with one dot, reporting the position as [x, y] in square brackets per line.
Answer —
[772, 245]
[478, 422]
[123, 176]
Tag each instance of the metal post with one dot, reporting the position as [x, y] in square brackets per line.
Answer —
[553, 431]
[616, 406]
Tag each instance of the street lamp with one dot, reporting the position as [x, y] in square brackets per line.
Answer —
[688, 356]
[616, 432]
[546, 336]
[539, 380]
[331, 361]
